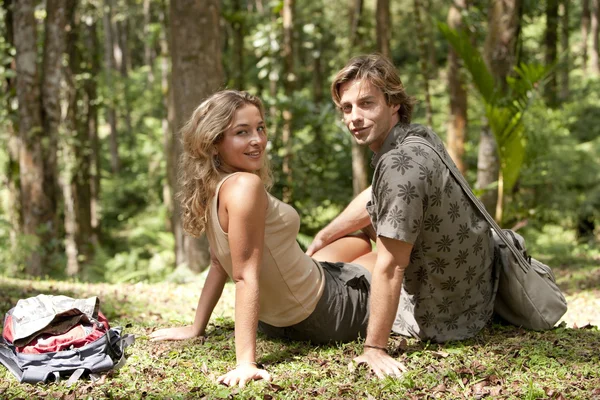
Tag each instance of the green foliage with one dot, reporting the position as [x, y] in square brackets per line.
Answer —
[504, 111]
[560, 183]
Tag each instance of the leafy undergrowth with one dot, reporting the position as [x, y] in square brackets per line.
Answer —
[500, 362]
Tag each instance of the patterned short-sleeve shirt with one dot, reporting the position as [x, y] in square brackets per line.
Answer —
[449, 286]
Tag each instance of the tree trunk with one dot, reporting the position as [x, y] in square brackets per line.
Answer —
[360, 167]
[423, 57]
[76, 149]
[594, 59]
[87, 130]
[238, 44]
[109, 66]
[356, 8]
[123, 65]
[458, 94]
[564, 45]
[383, 27]
[91, 88]
[430, 39]
[148, 51]
[488, 168]
[288, 86]
[13, 209]
[585, 30]
[551, 42]
[500, 57]
[38, 214]
[167, 121]
[197, 72]
[54, 47]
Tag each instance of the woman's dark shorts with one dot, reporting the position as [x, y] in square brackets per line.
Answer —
[342, 313]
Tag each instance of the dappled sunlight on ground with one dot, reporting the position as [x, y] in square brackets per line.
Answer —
[584, 309]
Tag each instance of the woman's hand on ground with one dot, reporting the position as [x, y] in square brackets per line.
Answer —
[243, 374]
[178, 333]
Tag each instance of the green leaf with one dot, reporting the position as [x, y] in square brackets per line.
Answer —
[473, 61]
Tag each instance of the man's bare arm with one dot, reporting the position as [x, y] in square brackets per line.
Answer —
[353, 218]
[392, 259]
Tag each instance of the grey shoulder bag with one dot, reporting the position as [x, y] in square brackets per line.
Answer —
[527, 292]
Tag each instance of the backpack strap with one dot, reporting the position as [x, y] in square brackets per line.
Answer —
[75, 376]
[121, 343]
[8, 359]
[476, 202]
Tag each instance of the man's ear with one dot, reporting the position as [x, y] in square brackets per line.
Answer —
[395, 108]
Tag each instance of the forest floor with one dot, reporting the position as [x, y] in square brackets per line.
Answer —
[500, 362]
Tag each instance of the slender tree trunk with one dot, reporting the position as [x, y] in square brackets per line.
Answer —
[109, 66]
[551, 42]
[148, 53]
[564, 45]
[488, 168]
[383, 27]
[585, 30]
[430, 39]
[356, 9]
[458, 94]
[318, 82]
[594, 15]
[92, 146]
[289, 78]
[38, 215]
[500, 52]
[360, 168]
[423, 57]
[12, 183]
[197, 71]
[123, 65]
[69, 152]
[167, 120]
[238, 44]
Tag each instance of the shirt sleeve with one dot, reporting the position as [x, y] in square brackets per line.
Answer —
[400, 193]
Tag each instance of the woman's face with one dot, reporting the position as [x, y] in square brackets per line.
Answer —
[244, 142]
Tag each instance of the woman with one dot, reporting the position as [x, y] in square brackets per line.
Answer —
[252, 238]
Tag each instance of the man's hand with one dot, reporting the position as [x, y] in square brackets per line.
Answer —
[317, 244]
[242, 374]
[178, 333]
[381, 363]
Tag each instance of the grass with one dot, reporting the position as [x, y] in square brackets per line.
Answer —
[500, 362]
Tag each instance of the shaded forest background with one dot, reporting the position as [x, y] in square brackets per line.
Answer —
[93, 93]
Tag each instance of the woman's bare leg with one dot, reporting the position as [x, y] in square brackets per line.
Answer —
[367, 260]
[355, 249]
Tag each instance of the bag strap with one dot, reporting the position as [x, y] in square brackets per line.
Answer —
[467, 190]
[7, 358]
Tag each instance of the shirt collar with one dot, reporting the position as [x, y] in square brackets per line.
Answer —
[395, 137]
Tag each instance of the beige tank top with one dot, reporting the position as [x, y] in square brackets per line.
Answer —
[290, 282]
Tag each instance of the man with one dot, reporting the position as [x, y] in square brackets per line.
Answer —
[433, 278]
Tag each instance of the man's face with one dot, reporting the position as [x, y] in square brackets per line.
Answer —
[366, 114]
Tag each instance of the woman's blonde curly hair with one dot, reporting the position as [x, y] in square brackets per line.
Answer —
[200, 171]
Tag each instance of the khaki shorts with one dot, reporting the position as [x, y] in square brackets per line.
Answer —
[342, 313]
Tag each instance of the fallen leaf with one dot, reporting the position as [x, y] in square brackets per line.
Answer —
[275, 388]
[495, 391]
[441, 388]
[440, 354]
